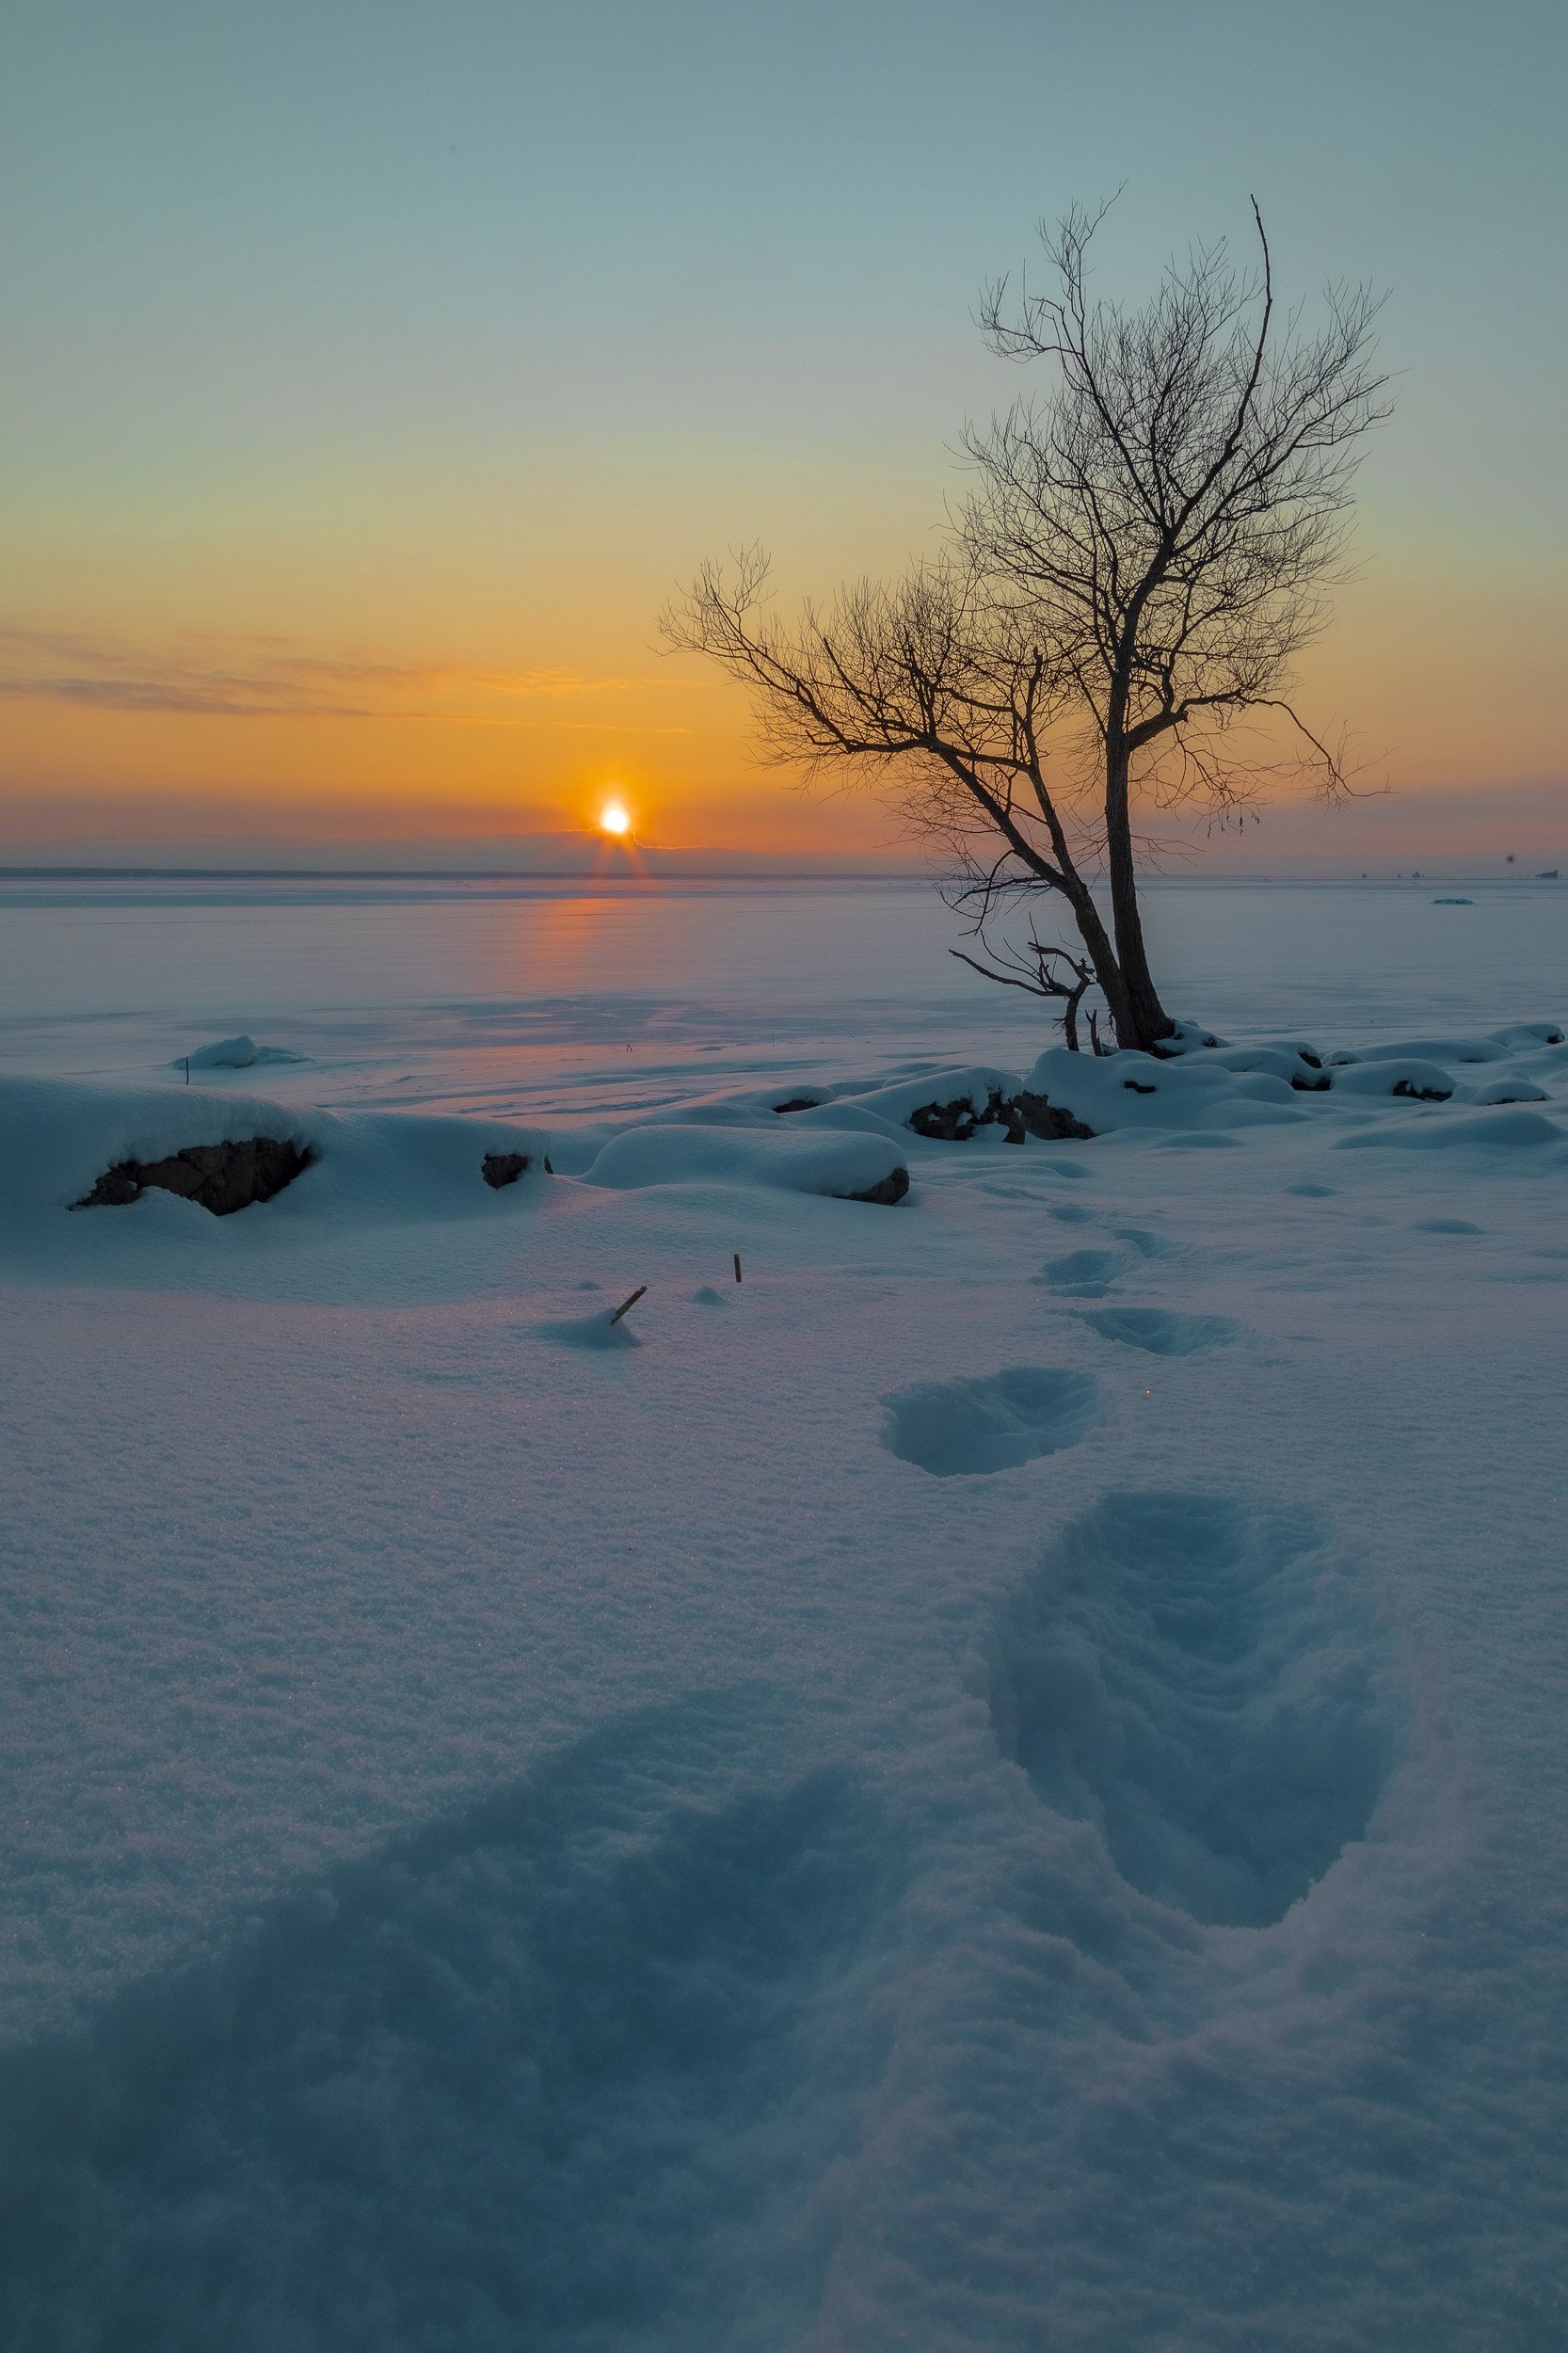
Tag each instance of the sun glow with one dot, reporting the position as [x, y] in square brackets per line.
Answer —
[613, 819]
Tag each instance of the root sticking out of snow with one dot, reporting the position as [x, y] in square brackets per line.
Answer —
[1192, 1677]
[992, 1424]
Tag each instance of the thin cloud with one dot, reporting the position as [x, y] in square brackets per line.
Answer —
[274, 678]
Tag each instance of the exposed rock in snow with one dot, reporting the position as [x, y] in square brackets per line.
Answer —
[221, 1177]
[1047, 1120]
[887, 1191]
[956, 1122]
[503, 1168]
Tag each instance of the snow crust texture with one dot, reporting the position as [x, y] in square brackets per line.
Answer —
[541, 2074]
[996, 1786]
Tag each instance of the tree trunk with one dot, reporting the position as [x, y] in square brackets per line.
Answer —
[1147, 1020]
[1103, 958]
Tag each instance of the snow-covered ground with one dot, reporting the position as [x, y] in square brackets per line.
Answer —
[999, 1784]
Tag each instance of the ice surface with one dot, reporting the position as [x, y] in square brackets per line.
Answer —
[895, 1805]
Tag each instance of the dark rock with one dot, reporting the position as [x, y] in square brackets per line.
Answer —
[945, 1123]
[221, 1177]
[955, 1122]
[892, 1188]
[1135, 1086]
[115, 1190]
[1312, 1086]
[1420, 1094]
[504, 1168]
[1047, 1120]
[799, 1103]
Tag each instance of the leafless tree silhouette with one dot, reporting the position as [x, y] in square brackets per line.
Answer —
[1144, 551]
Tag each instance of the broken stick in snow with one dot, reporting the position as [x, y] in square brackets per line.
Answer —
[737, 1266]
[627, 1304]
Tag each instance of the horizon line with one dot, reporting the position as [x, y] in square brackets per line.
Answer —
[673, 873]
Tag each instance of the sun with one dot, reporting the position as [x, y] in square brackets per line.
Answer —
[613, 819]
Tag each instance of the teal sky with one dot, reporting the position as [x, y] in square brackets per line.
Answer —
[413, 336]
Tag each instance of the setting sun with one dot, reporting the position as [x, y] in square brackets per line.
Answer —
[613, 819]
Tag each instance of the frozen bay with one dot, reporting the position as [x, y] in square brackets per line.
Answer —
[436, 989]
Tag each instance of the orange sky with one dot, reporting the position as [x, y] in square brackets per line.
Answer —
[366, 400]
[295, 735]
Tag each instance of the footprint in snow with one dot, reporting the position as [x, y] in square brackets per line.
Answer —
[1147, 1245]
[1082, 1274]
[1194, 1678]
[1159, 1330]
[991, 1424]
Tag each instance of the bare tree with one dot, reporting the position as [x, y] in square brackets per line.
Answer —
[1038, 970]
[938, 691]
[1145, 551]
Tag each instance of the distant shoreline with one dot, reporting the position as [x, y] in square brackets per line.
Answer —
[623, 880]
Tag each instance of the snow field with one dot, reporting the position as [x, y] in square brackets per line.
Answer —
[997, 1783]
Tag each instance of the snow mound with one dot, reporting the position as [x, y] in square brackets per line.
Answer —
[1187, 1674]
[1131, 1090]
[1527, 1033]
[1188, 1037]
[992, 1424]
[1488, 1131]
[1508, 1090]
[1394, 1074]
[1439, 1049]
[58, 1137]
[974, 1085]
[848, 1167]
[1298, 1064]
[232, 1053]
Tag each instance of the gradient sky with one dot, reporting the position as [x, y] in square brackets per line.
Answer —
[373, 371]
